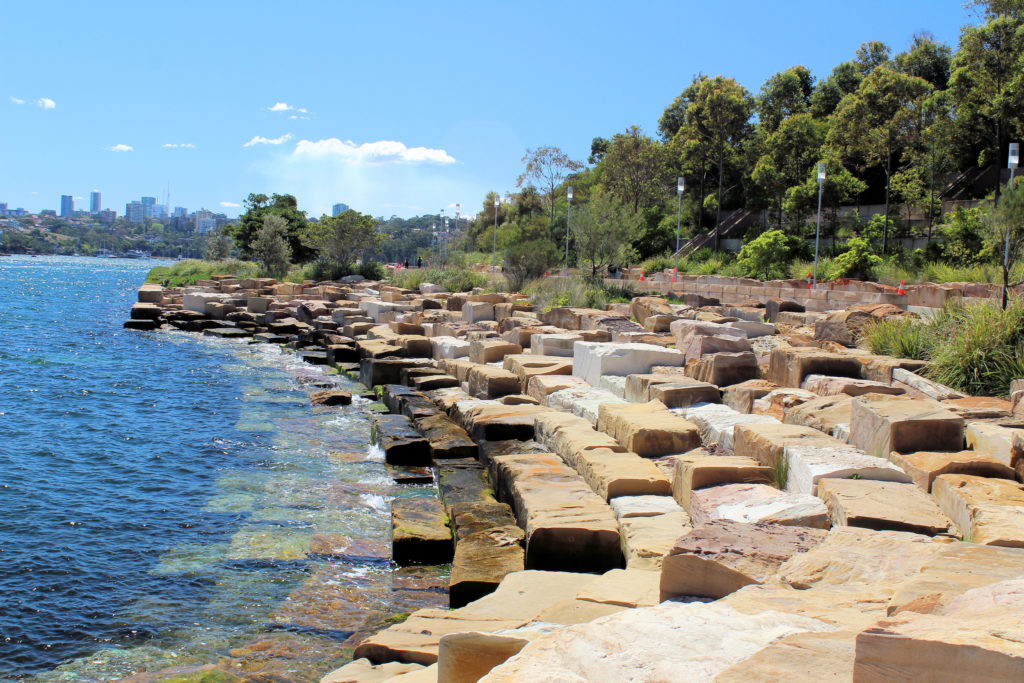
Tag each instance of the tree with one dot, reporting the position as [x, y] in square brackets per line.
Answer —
[987, 81]
[767, 257]
[926, 58]
[257, 207]
[270, 245]
[217, 248]
[635, 169]
[603, 229]
[1006, 231]
[843, 80]
[547, 167]
[340, 238]
[789, 153]
[873, 125]
[783, 95]
[870, 56]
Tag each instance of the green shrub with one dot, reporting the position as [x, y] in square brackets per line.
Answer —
[979, 348]
[901, 337]
[579, 291]
[188, 272]
[527, 260]
[858, 261]
[767, 257]
[326, 269]
[657, 264]
[371, 270]
[452, 279]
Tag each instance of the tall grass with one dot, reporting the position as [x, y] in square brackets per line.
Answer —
[452, 279]
[974, 348]
[190, 271]
[576, 291]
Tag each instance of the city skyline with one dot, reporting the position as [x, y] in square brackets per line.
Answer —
[436, 109]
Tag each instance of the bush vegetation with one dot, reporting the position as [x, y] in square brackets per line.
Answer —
[577, 290]
[974, 348]
[452, 279]
[190, 271]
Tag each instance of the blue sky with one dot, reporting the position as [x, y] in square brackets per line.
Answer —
[392, 107]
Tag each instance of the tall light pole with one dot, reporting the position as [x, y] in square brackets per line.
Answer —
[817, 231]
[446, 241]
[568, 214]
[680, 186]
[444, 222]
[1011, 162]
[494, 253]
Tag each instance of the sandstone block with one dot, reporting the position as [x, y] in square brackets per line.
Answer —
[757, 503]
[491, 350]
[987, 511]
[721, 557]
[648, 429]
[419, 532]
[702, 472]
[646, 539]
[475, 311]
[683, 393]
[540, 386]
[823, 385]
[828, 414]
[486, 381]
[768, 443]
[881, 425]
[448, 347]
[740, 397]
[401, 443]
[591, 360]
[882, 505]
[725, 369]
[1001, 443]
[716, 422]
[777, 402]
[582, 401]
[924, 466]
[810, 463]
[789, 366]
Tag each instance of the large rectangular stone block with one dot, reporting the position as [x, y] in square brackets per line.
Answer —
[591, 360]
[880, 425]
[648, 429]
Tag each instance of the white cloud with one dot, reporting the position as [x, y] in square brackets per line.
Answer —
[46, 103]
[230, 205]
[177, 145]
[121, 148]
[260, 140]
[280, 106]
[17, 100]
[380, 152]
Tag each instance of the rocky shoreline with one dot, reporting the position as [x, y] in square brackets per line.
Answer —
[661, 492]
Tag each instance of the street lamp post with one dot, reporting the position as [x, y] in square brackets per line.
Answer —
[1011, 162]
[568, 214]
[494, 253]
[817, 230]
[680, 186]
[445, 262]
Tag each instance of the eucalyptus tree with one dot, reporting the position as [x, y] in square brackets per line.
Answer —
[547, 168]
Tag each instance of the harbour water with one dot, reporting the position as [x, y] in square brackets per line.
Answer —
[172, 506]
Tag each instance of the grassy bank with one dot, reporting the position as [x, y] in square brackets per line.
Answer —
[578, 291]
[975, 348]
[190, 271]
[452, 279]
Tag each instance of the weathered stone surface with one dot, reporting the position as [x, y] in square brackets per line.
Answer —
[979, 407]
[463, 482]
[591, 360]
[527, 365]
[448, 347]
[486, 381]
[1005, 444]
[924, 466]
[568, 527]
[979, 636]
[363, 671]
[638, 386]
[851, 555]
[487, 421]
[374, 371]
[777, 402]
[882, 505]
[540, 386]
[401, 443]
[845, 327]
[491, 350]
[570, 318]
[756, 503]
[331, 397]
[767, 443]
[683, 393]
[583, 401]
[810, 463]
[482, 559]
[789, 366]
[880, 425]
[645, 540]
[987, 511]
[716, 422]
[725, 369]
[467, 657]
[145, 311]
[643, 506]
[793, 658]
[923, 386]
[824, 385]
[740, 397]
[623, 587]
[475, 311]
[721, 557]
[827, 414]
[447, 439]
[432, 382]
[419, 532]
[647, 429]
[643, 307]
[702, 472]
[652, 644]
[616, 384]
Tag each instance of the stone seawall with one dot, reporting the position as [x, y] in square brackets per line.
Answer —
[727, 487]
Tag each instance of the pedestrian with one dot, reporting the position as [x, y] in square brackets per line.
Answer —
[407, 262]
[419, 262]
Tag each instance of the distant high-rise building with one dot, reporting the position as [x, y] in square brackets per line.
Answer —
[95, 202]
[67, 205]
[339, 209]
[147, 206]
[204, 221]
[134, 212]
[180, 212]
[107, 217]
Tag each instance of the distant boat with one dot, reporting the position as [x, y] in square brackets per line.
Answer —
[136, 253]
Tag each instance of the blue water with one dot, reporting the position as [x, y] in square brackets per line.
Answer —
[166, 499]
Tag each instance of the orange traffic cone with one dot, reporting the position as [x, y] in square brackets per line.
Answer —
[810, 281]
[641, 276]
[545, 274]
[902, 289]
